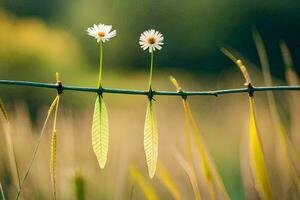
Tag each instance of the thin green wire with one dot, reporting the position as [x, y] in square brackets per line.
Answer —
[146, 92]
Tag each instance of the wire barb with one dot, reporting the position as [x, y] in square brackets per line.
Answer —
[150, 94]
[250, 90]
[59, 87]
[100, 91]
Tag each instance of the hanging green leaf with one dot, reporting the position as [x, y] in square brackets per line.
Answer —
[257, 159]
[151, 140]
[100, 132]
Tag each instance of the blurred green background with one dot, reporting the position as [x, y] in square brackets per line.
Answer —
[38, 38]
[51, 35]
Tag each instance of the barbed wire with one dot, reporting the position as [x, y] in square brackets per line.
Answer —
[146, 92]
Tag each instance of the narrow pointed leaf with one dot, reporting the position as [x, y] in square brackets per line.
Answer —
[3, 111]
[10, 148]
[292, 79]
[256, 154]
[36, 148]
[209, 169]
[151, 140]
[190, 173]
[257, 159]
[143, 184]
[2, 192]
[165, 177]
[100, 132]
[283, 141]
[240, 65]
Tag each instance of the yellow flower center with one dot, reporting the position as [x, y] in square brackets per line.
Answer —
[151, 40]
[101, 34]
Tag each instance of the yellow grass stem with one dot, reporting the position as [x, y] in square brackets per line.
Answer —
[141, 181]
[3, 110]
[190, 173]
[284, 144]
[165, 177]
[209, 171]
[54, 151]
[204, 161]
[256, 154]
[257, 159]
[240, 64]
[2, 192]
[292, 79]
[10, 147]
[36, 146]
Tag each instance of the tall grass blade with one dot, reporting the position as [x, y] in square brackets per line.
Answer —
[208, 167]
[3, 110]
[257, 160]
[100, 132]
[143, 184]
[131, 193]
[286, 55]
[209, 170]
[283, 141]
[36, 147]
[151, 140]
[292, 79]
[54, 152]
[240, 65]
[10, 147]
[200, 147]
[256, 154]
[165, 177]
[190, 173]
[186, 126]
[2, 192]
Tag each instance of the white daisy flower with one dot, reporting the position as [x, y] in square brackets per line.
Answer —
[101, 32]
[151, 39]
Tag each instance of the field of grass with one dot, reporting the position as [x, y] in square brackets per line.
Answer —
[223, 122]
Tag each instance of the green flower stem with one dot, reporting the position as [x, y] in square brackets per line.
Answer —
[100, 65]
[151, 69]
